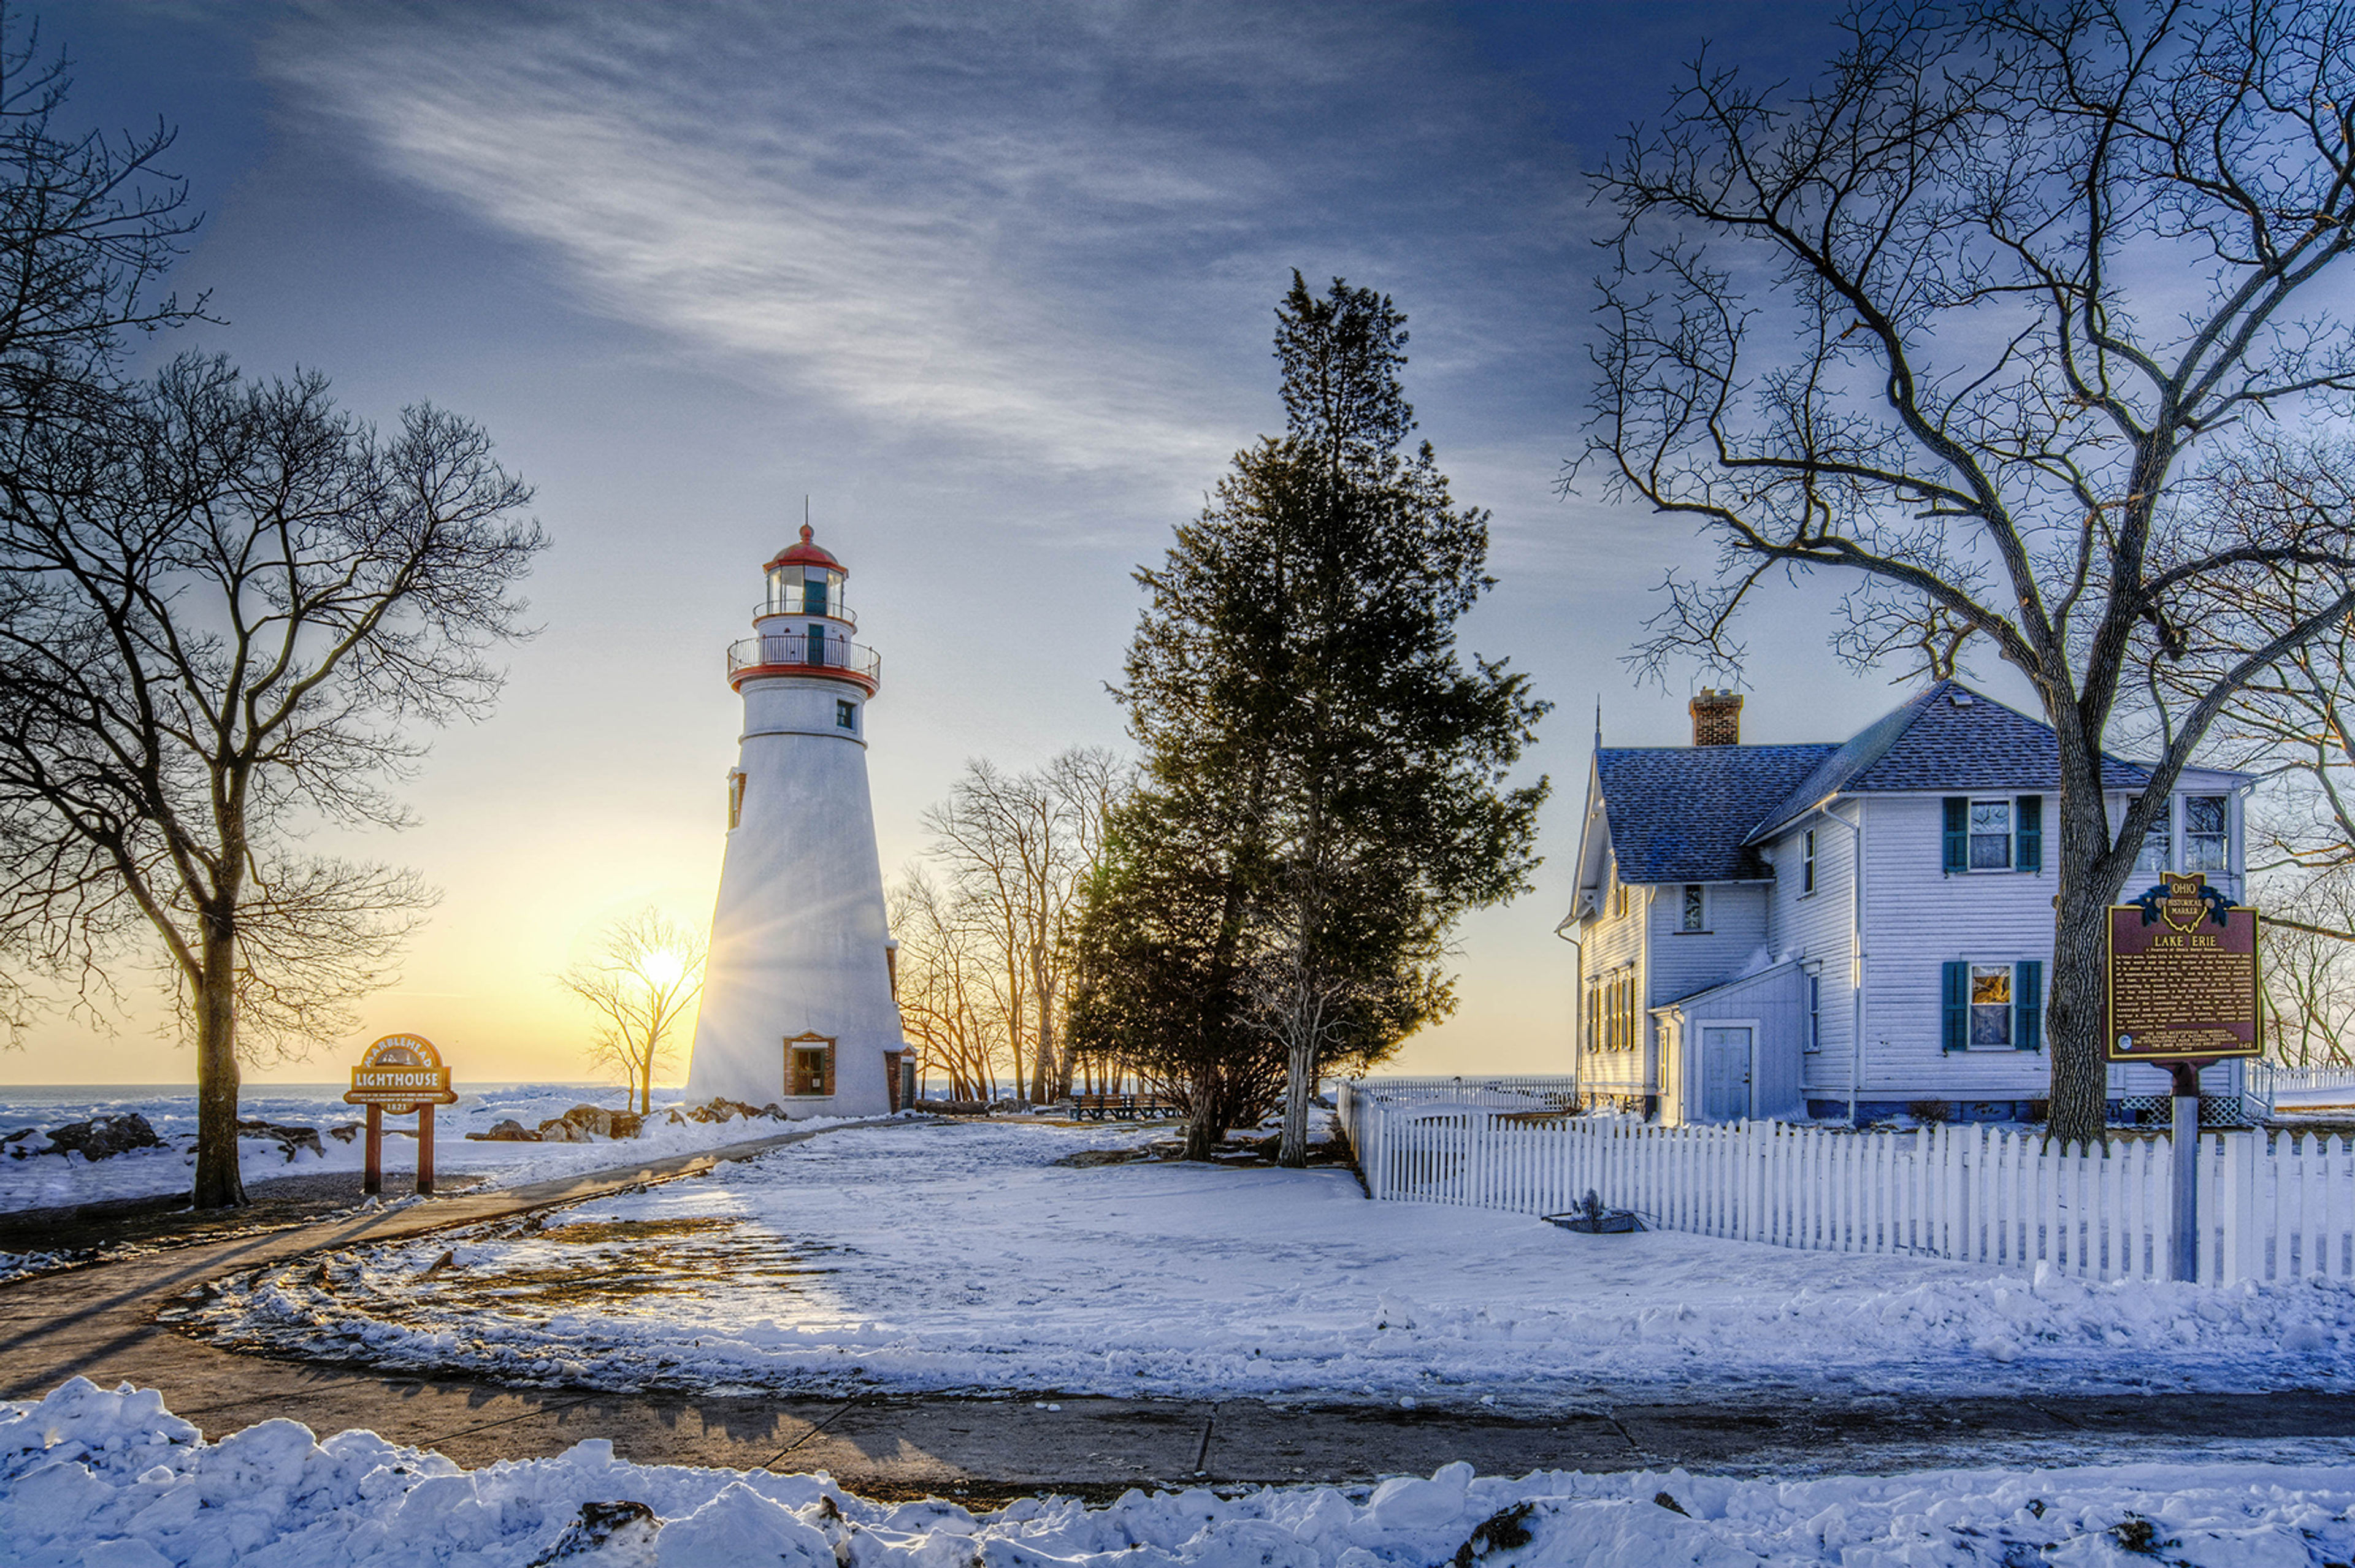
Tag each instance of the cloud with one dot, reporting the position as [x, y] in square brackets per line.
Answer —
[999, 227]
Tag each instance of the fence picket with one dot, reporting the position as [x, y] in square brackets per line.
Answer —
[2276, 1208]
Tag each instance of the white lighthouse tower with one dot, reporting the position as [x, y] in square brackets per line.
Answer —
[797, 1003]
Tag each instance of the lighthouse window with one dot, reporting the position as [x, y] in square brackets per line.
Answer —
[735, 799]
[809, 1069]
[846, 717]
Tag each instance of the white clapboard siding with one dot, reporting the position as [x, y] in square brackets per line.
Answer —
[2271, 1206]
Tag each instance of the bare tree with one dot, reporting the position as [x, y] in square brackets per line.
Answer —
[2021, 320]
[226, 612]
[647, 973]
[2309, 984]
[89, 226]
[942, 984]
[1017, 850]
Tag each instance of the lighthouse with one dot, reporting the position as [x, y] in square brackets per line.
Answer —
[797, 1004]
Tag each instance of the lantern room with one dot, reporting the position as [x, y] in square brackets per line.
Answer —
[805, 579]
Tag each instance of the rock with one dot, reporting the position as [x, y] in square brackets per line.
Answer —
[14, 1139]
[556, 1130]
[671, 1118]
[104, 1138]
[509, 1131]
[288, 1138]
[627, 1124]
[616, 1533]
[591, 1119]
[720, 1108]
[1087, 1158]
[345, 1132]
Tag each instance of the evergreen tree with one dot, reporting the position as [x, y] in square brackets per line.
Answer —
[1324, 788]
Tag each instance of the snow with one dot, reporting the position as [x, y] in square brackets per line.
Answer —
[963, 1257]
[40, 1181]
[97, 1478]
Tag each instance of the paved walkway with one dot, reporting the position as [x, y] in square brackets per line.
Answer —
[100, 1322]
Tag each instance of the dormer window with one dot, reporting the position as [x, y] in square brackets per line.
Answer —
[2207, 846]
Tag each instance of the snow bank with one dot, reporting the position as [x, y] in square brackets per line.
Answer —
[92, 1478]
[42, 1182]
[963, 1257]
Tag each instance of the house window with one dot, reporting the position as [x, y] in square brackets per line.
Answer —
[845, 715]
[1807, 862]
[1990, 835]
[1814, 1012]
[1990, 1005]
[2206, 845]
[1695, 911]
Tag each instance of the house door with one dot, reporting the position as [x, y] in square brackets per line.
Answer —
[1725, 1074]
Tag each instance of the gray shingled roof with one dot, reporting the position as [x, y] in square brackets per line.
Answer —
[1929, 743]
[1682, 814]
[1695, 814]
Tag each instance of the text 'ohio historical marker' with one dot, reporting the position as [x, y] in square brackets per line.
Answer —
[2183, 975]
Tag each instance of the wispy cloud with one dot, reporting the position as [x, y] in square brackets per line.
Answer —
[996, 225]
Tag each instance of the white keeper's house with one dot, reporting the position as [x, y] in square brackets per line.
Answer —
[1845, 930]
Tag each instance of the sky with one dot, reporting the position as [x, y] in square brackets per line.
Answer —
[992, 286]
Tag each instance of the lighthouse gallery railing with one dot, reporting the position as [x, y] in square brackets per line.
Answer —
[789, 648]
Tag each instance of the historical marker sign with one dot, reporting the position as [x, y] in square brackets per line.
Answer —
[2183, 975]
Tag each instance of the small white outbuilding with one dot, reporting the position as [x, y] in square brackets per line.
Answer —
[797, 1004]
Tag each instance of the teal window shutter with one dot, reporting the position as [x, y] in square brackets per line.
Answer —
[2027, 1005]
[1958, 834]
[2028, 853]
[1956, 1034]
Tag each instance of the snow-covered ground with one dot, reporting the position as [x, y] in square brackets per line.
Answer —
[41, 1182]
[94, 1478]
[963, 1257]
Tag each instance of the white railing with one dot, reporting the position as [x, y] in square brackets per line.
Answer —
[2277, 1085]
[2271, 1206]
[1510, 1093]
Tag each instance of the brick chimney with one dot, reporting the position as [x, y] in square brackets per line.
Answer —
[1717, 718]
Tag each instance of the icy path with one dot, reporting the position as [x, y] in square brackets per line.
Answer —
[961, 1257]
[89, 1476]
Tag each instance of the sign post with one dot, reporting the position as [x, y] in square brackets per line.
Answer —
[400, 1075]
[2182, 995]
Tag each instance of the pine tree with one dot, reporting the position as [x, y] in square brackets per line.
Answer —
[1325, 781]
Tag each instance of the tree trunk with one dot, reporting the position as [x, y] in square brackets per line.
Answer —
[219, 1184]
[1205, 1119]
[1299, 1086]
[2076, 1010]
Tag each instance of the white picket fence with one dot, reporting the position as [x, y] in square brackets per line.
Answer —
[2277, 1085]
[2271, 1206]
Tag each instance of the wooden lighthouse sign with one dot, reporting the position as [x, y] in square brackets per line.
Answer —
[400, 1075]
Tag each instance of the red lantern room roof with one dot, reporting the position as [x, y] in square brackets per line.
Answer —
[808, 553]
